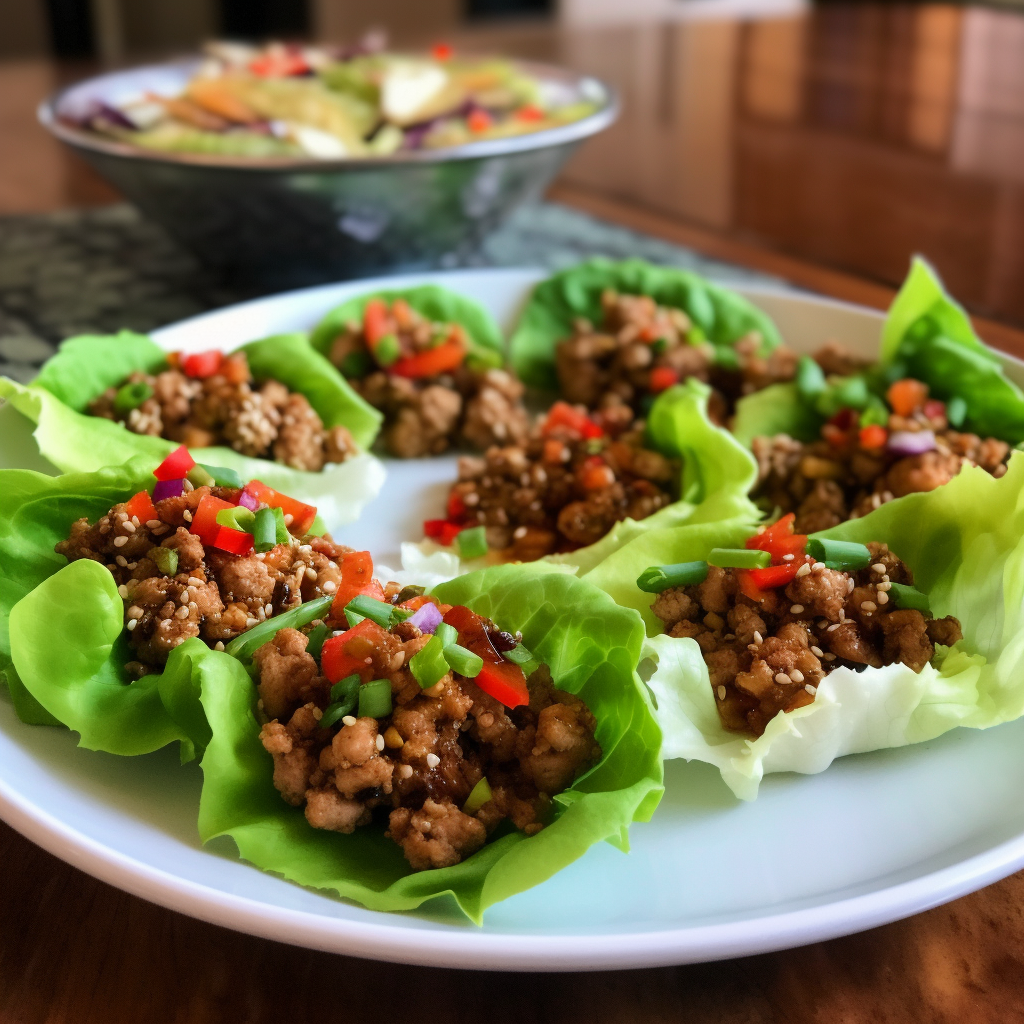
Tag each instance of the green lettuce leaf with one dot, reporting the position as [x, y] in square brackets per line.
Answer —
[722, 315]
[776, 409]
[964, 544]
[74, 441]
[437, 304]
[62, 645]
[592, 647]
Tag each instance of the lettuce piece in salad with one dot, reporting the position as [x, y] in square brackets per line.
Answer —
[62, 643]
[431, 301]
[722, 316]
[57, 402]
[964, 543]
[592, 647]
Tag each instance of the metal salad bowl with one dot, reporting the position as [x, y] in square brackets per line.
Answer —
[285, 222]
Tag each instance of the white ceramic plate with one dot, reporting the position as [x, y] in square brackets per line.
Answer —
[876, 837]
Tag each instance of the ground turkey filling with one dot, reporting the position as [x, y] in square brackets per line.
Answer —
[562, 489]
[418, 764]
[770, 657]
[431, 394]
[229, 408]
[850, 472]
[213, 595]
[640, 348]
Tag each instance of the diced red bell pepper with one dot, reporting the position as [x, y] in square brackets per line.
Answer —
[356, 578]
[432, 528]
[845, 419]
[748, 588]
[836, 438]
[202, 364]
[430, 362]
[596, 474]
[444, 531]
[235, 542]
[441, 51]
[342, 655]
[235, 369]
[479, 121]
[301, 513]
[907, 395]
[553, 451]
[279, 65]
[530, 113]
[562, 414]
[141, 505]
[775, 575]
[933, 408]
[175, 466]
[504, 681]
[873, 436]
[663, 377]
[375, 321]
[779, 539]
[456, 506]
[204, 519]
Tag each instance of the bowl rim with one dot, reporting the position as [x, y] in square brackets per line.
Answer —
[548, 138]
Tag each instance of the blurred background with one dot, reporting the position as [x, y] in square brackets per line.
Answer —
[805, 140]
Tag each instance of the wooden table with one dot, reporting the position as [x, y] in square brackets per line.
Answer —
[826, 147]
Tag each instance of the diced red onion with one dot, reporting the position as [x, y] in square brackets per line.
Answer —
[246, 499]
[168, 489]
[911, 442]
[427, 618]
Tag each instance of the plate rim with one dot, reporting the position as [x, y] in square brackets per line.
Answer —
[388, 939]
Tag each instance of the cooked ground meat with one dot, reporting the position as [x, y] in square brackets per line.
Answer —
[848, 472]
[212, 595]
[418, 764]
[769, 656]
[455, 398]
[639, 348]
[228, 408]
[561, 490]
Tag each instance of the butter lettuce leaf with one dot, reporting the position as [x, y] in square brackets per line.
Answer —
[722, 316]
[592, 647]
[965, 544]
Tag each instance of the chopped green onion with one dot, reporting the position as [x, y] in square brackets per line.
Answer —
[238, 517]
[409, 592]
[695, 335]
[243, 647]
[198, 476]
[375, 699]
[166, 560]
[844, 555]
[347, 689]
[472, 542]
[446, 633]
[478, 796]
[519, 655]
[842, 393]
[387, 350]
[740, 558]
[726, 357]
[370, 608]
[332, 713]
[908, 597]
[222, 476]
[956, 411]
[264, 530]
[484, 359]
[353, 618]
[876, 414]
[131, 396]
[656, 578]
[315, 641]
[356, 364]
[594, 446]
[280, 526]
[810, 378]
[318, 528]
[466, 663]
[659, 345]
[428, 665]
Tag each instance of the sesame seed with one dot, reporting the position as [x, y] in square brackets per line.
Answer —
[130, 527]
[288, 519]
[803, 570]
[369, 661]
[883, 587]
[878, 567]
[883, 597]
[187, 516]
[185, 596]
[122, 561]
[816, 651]
[261, 555]
[868, 606]
[135, 522]
[152, 524]
[379, 741]
[134, 612]
[405, 771]
[251, 621]
[433, 760]
[268, 608]
[187, 485]
[219, 645]
[721, 693]
[782, 679]
[829, 656]
[311, 573]
[122, 590]
[519, 532]
[192, 606]
[182, 612]
[796, 675]
[348, 720]
[758, 639]
[131, 624]
[305, 548]
[833, 627]
[850, 585]
[119, 542]
[812, 690]
[817, 567]
[330, 587]
[796, 609]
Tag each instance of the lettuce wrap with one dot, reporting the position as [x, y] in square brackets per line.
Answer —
[57, 402]
[592, 647]
[926, 335]
[722, 316]
[716, 475]
[435, 303]
[963, 542]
